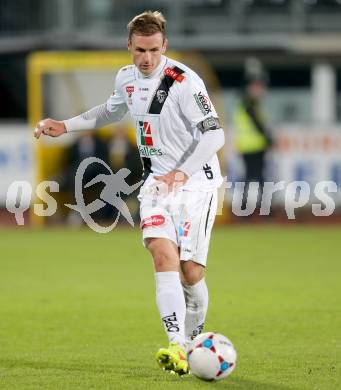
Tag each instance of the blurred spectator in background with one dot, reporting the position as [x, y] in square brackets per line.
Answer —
[119, 152]
[123, 153]
[251, 133]
[88, 144]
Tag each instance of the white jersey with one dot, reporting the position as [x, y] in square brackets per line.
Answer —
[167, 107]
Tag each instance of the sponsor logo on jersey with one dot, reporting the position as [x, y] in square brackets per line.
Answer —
[184, 228]
[174, 74]
[143, 89]
[146, 137]
[203, 103]
[146, 151]
[130, 90]
[146, 148]
[161, 96]
[154, 220]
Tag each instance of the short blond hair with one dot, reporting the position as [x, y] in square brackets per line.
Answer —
[147, 23]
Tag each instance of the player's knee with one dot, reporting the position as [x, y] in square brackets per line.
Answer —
[164, 255]
[192, 272]
[161, 259]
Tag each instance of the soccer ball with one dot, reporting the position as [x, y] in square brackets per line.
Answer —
[211, 356]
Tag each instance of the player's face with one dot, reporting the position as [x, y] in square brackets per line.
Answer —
[146, 51]
[257, 89]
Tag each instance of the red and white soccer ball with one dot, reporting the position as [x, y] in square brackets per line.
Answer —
[211, 356]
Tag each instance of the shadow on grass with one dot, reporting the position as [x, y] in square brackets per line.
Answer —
[39, 365]
[120, 369]
[232, 383]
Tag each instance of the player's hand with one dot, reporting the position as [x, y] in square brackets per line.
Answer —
[173, 180]
[49, 127]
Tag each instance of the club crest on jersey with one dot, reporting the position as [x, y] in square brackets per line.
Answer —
[184, 229]
[161, 96]
[174, 74]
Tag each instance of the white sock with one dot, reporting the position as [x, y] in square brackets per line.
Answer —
[196, 297]
[172, 306]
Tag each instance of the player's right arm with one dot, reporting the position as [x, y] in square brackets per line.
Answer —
[111, 111]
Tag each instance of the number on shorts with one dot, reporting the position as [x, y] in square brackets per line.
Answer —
[208, 171]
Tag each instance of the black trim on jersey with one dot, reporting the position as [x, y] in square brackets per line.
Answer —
[157, 103]
[147, 167]
[208, 213]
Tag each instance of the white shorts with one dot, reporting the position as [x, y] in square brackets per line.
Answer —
[185, 218]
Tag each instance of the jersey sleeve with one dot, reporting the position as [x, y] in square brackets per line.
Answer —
[194, 101]
[116, 100]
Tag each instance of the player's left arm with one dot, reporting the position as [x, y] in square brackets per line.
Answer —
[212, 140]
[198, 109]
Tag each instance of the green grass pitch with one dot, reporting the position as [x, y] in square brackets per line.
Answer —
[77, 309]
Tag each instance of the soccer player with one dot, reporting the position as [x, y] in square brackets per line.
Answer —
[178, 135]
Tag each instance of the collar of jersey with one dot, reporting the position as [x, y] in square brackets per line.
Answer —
[156, 72]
